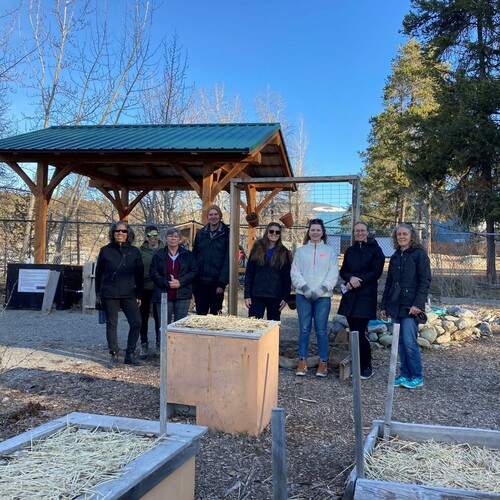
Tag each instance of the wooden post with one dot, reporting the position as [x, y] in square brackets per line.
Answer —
[356, 393]
[390, 382]
[163, 364]
[41, 208]
[280, 487]
[234, 233]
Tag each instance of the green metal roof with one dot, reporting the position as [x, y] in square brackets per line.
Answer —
[234, 137]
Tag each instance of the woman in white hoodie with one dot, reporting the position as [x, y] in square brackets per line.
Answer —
[315, 271]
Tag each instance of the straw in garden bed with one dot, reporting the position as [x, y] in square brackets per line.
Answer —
[69, 463]
[432, 463]
[224, 323]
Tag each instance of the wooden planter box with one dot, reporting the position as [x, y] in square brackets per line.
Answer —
[367, 489]
[230, 377]
[167, 471]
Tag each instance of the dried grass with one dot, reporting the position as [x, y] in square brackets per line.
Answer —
[224, 323]
[69, 463]
[431, 463]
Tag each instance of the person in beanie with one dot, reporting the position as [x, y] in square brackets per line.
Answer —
[211, 251]
[151, 245]
[361, 268]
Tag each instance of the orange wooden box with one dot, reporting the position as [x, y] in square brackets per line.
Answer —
[231, 377]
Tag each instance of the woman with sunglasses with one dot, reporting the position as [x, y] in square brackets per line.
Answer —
[315, 270]
[267, 275]
[119, 281]
[361, 268]
[405, 294]
[148, 249]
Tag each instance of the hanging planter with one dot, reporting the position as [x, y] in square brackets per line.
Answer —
[253, 219]
[287, 220]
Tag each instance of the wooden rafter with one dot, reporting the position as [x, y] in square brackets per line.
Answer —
[275, 192]
[24, 176]
[234, 172]
[182, 171]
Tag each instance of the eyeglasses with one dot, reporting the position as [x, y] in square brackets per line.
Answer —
[151, 235]
[274, 231]
[121, 231]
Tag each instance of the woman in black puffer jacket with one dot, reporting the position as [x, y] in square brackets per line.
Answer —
[405, 294]
[361, 268]
[119, 281]
[267, 275]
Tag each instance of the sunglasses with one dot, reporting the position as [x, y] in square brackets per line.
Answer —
[121, 231]
[274, 231]
[151, 235]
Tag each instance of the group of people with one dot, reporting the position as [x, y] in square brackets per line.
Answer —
[132, 278]
[314, 273]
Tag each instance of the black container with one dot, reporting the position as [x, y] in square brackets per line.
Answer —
[23, 281]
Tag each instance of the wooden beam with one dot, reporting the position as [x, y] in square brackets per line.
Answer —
[206, 190]
[59, 175]
[182, 172]
[41, 209]
[124, 202]
[24, 176]
[234, 172]
[267, 199]
[136, 200]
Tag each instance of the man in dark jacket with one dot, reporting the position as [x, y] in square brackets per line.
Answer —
[211, 251]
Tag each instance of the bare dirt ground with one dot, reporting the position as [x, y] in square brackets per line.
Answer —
[53, 364]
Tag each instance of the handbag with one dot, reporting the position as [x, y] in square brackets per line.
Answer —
[98, 303]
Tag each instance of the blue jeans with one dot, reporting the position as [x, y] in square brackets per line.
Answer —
[410, 360]
[318, 309]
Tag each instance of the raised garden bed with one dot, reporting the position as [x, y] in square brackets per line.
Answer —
[160, 465]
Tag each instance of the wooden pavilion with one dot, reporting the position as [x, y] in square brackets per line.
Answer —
[126, 162]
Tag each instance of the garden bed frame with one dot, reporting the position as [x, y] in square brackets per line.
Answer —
[364, 489]
[167, 470]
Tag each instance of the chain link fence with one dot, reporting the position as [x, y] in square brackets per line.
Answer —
[458, 259]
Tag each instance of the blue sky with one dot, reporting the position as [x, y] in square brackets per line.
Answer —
[327, 58]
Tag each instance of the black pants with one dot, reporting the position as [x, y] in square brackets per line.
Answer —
[206, 299]
[365, 352]
[131, 311]
[145, 308]
[259, 305]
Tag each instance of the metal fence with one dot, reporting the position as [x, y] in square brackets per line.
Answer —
[458, 260]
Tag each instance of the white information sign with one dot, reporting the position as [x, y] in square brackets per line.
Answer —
[32, 280]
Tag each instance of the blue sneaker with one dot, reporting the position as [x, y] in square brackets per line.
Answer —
[399, 381]
[413, 383]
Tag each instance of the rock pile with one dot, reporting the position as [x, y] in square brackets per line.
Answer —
[443, 327]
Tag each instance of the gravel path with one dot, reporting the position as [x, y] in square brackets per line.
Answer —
[53, 364]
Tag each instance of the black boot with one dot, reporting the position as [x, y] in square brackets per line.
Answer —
[130, 359]
[113, 360]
